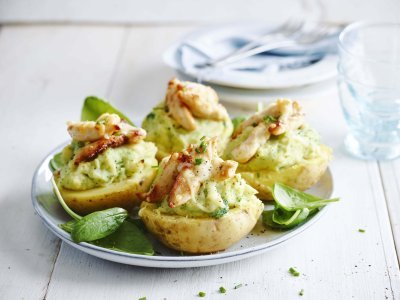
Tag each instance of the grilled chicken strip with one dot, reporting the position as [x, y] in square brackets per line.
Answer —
[186, 100]
[183, 173]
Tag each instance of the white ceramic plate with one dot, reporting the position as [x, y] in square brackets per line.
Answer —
[317, 72]
[258, 241]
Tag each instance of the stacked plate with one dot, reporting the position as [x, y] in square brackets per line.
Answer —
[296, 71]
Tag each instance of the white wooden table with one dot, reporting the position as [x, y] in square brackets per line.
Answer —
[45, 73]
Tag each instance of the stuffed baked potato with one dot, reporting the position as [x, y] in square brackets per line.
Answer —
[106, 165]
[189, 112]
[276, 145]
[197, 203]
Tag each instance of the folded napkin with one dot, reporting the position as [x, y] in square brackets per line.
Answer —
[201, 48]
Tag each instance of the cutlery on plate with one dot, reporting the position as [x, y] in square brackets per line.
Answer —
[303, 36]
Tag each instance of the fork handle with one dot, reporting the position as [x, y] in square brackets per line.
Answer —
[231, 58]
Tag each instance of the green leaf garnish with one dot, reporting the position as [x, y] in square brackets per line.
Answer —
[68, 226]
[62, 202]
[98, 224]
[222, 290]
[291, 199]
[361, 230]
[202, 294]
[290, 218]
[57, 162]
[301, 293]
[94, 107]
[292, 207]
[198, 161]
[127, 238]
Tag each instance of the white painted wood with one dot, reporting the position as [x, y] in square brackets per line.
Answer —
[335, 259]
[45, 72]
[173, 11]
[390, 172]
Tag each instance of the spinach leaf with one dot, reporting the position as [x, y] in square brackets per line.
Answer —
[292, 207]
[98, 224]
[291, 199]
[56, 163]
[62, 202]
[93, 107]
[127, 238]
[237, 121]
[290, 218]
[68, 226]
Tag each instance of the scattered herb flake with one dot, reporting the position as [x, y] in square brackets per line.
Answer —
[198, 161]
[238, 286]
[361, 230]
[270, 119]
[143, 298]
[301, 293]
[294, 272]
[222, 290]
[155, 167]
[202, 294]
[151, 116]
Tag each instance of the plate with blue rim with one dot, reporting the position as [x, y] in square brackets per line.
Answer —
[258, 241]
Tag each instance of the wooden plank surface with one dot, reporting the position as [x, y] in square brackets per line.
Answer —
[335, 259]
[45, 72]
[390, 172]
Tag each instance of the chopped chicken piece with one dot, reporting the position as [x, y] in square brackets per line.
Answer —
[109, 131]
[186, 100]
[246, 150]
[92, 150]
[184, 173]
[278, 118]
[282, 115]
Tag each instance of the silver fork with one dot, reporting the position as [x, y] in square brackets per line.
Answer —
[300, 37]
[288, 28]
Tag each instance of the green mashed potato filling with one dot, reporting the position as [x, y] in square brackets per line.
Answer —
[279, 151]
[113, 165]
[295, 158]
[214, 199]
[170, 137]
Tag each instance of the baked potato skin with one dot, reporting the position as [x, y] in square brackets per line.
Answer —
[300, 176]
[201, 235]
[121, 194]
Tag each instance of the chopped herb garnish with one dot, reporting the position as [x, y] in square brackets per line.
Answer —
[222, 290]
[219, 212]
[294, 272]
[202, 147]
[155, 166]
[301, 293]
[270, 119]
[203, 138]
[143, 298]
[198, 161]
[238, 286]
[361, 230]
[151, 116]
[202, 294]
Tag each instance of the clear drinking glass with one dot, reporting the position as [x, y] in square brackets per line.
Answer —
[369, 88]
